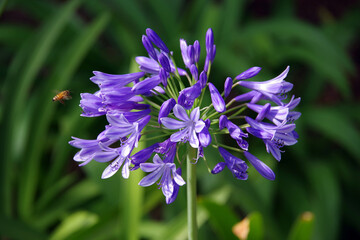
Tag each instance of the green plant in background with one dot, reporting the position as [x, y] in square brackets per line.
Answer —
[55, 47]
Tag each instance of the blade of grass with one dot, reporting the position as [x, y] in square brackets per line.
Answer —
[232, 11]
[336, 126]
[15, 229]
[256, 226]
[326, 200]
[132, 13]
[303, 227]
[80, 220]
[13, 36]
[54, 191]
[167, 15]
[221, 217]
[70, 124]
[103, 230]
[79, 194]
[131, 208]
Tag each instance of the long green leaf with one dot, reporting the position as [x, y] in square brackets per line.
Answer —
[15, 229]
[12, 36]
[48, 196]
[303, 227]
[79, 194]
[221, 217]
[256, 231]
[326, 202]
[332, 123]
[70, 124]
[77, 221]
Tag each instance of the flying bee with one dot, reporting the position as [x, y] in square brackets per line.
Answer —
[61, 96]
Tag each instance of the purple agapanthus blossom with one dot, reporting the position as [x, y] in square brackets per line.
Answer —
[165, 103]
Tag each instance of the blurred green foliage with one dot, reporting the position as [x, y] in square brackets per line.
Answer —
[55, 45]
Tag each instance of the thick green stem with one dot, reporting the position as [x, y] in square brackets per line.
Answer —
[191, 193]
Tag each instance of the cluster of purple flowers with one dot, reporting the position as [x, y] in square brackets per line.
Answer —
[157, 102]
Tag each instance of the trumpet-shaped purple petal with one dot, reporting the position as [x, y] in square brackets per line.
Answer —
[105, 156]
[184, 53]
[164, 77]
[213, 53]
[272, 89]
[165, 171]
[197, 49]
[228, 86]
[171, 123]
[237, 166]
[176, 188]
[292, 116]
[209, 42]
[261, 167]
[146, 85]
[92, 105]
[166, 108]
[89, 148]
[121, 127]
[293, 102]
[235, 132]
[142, 156]
[217, 100]
[278, 115]
[114, 167]
[194, 72]
[191, 54]
[165, 147]
[218, 168]
[252, 96]
[181, 113]
[156, 40]
[251, 72]
[203, 79]
[111, 80]
[148, 65]
[204, 136]
[126, 106]
[149, 47]
[188, 95]
[199, 125]
[164, 61]
[134, 116]
[119, 155]
[273, 136]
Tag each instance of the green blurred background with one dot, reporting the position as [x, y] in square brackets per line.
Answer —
[55, 45]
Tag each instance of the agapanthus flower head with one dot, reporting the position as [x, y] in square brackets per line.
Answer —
[165, 103]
